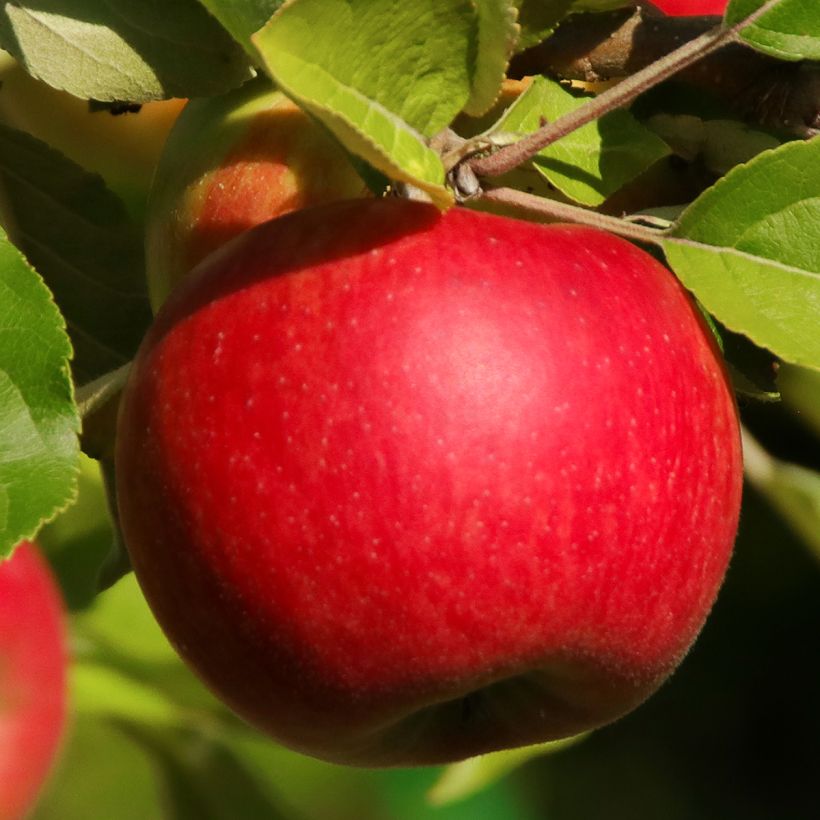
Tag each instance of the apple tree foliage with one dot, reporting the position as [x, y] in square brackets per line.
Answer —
[386, 78]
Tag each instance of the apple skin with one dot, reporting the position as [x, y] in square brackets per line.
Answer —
[232, 162]
[33, 663]
[691, 8]
[404, 488]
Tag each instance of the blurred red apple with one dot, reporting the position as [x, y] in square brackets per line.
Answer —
[32, 678]
[404, 488]
[230, 163]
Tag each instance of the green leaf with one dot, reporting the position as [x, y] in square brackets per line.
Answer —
[800, 389]
[135, 50]
[241, 18]
[462, 780]
[407, 57]
[94, 766]
[104, 691]
[120, 625]
[497, 35]
[204, 778]
[719, 144]
[794, 491]
[538, 18]
[592, 162]
[790, 31]
[382, 75]
[38, 419]
[118, 638]
[135, 770]
[126, 674]
[752, 369]
[78, 236]
[749, 249]
[117, 562]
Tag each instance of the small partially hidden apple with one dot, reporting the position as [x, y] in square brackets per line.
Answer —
[405, 487]
[691, 8]
[32, 678]
[230, 163]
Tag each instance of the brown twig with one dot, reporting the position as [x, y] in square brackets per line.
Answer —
[553, 209]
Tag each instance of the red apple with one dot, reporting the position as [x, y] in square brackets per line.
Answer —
[230, 163]
[404, 488]
[32, 678]
[691, 8]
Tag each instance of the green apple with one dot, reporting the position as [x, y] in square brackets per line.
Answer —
[230, 163]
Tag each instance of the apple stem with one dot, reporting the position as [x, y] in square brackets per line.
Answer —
[627, 90]
[95, 394]
[573, 213]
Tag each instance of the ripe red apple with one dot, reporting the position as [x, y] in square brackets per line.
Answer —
[404, 488]
[230, 163]
[691, 8]
[32, 678]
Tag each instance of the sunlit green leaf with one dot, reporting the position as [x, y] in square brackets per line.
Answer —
[382, 75]
[793, 490]
[749, 248]
[790, 31]
[123, 49]
[592, 162]
[497, 35]
[461, 780]
[242, 17]
[38, 419]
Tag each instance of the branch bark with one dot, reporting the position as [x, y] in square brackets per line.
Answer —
[613, 45]
[565, 212]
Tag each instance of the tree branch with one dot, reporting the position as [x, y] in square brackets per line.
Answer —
[609, 46]
[565, 212]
